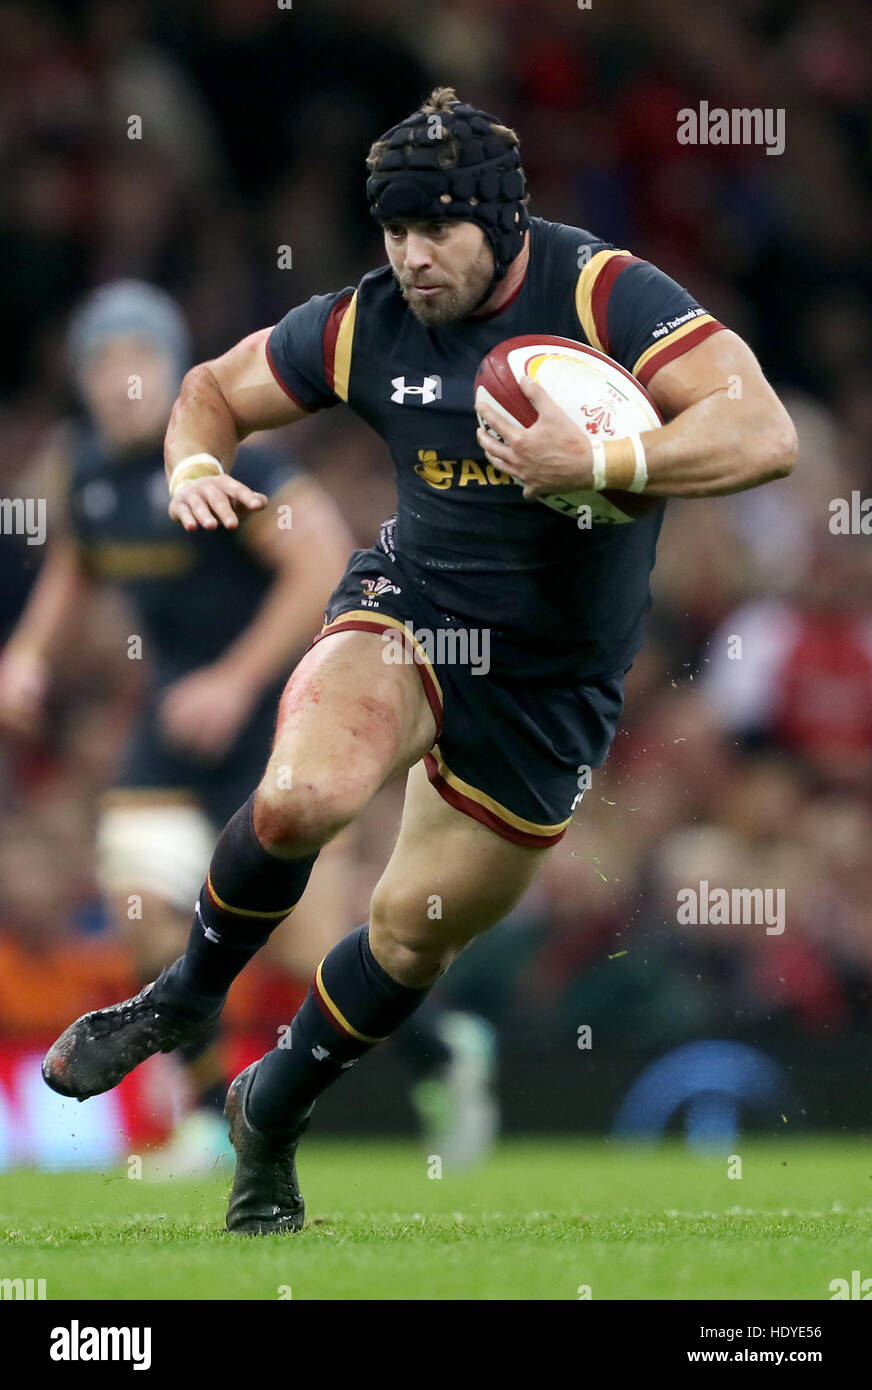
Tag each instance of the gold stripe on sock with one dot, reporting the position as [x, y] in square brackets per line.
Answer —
[243, 911]
[340, 1017]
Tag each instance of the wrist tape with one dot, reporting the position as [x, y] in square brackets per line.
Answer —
[194, 466]
[619, 463]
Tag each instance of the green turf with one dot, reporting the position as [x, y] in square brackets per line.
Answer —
[535, 1222]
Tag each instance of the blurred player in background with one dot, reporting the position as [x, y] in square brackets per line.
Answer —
[223, 616]
[221, 619]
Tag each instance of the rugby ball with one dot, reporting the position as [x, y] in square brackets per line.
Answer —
[598, 394]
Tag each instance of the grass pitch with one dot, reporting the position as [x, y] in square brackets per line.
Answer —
[537, 1221]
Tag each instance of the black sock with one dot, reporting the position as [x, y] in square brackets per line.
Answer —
[247, 893]
[352, 1004]
[420, 1042]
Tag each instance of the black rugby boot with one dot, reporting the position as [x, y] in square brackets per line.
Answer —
[100, 1048]
[265, 1197]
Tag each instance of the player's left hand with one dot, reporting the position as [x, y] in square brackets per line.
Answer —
[552, 455]
[203, 712]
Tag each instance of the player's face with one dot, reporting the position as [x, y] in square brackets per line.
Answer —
[129, 386]
[443, 268]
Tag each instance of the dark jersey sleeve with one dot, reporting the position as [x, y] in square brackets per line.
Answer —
[301, 348]
[652, 319]
[636, 313]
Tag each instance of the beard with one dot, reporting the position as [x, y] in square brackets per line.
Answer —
[458, 299]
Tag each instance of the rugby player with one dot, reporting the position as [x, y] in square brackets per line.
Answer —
[492, 758]
[223, 618]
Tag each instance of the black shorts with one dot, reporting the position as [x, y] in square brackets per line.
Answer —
[510, 752]
[150, 763]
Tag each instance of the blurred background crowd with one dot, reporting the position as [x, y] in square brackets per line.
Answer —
[748, 769]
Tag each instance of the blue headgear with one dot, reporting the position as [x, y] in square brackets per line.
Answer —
[129, 307]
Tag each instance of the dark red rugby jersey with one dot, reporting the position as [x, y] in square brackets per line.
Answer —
[465, 533]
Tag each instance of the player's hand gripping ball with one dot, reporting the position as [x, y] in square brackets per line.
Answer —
[597, 395]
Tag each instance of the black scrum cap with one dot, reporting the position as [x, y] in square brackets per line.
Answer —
[485, 184]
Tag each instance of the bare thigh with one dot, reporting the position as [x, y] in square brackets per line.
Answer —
[347, 722]
[449, 879]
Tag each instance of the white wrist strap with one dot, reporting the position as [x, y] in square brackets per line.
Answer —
[598, 449]
[640, 477]
[188, 462]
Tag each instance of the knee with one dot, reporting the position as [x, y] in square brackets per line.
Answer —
[304, 816]
[414, 948]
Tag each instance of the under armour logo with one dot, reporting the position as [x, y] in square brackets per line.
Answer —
[320, 1053]
[431, 390]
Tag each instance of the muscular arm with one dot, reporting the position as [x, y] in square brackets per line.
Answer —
[727, 430]
[219, 405]
[56, 602]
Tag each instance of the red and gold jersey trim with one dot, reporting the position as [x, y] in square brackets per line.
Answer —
[338, 342]
[679, 341]
[487, 810]
[364, 620]
[592, 292]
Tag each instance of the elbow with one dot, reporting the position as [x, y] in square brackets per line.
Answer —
[196, 386]
[776, 451]
[199, 381]
[201, 391]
